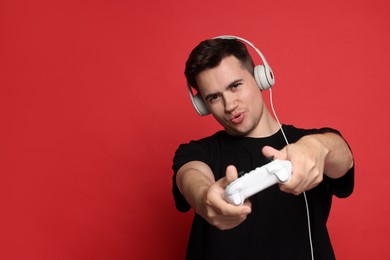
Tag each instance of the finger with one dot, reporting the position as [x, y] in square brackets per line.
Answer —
[248, 205]
[270, 152]
[230, 209]
[231, 173]
[297, 184]
[240, 211]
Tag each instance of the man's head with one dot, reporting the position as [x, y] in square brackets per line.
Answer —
[222, 71]
[209, 54]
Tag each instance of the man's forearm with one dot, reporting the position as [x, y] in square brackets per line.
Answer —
[193, 183]
[339, 157]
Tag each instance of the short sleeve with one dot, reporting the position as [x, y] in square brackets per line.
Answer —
[342, 187]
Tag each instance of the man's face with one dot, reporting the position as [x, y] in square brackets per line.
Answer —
[233, 97]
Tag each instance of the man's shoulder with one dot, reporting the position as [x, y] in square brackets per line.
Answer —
[298, 132]
[208, 139]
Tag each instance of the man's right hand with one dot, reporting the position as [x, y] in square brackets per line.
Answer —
[206, 196]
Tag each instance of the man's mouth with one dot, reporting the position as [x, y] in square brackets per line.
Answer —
[236, 119]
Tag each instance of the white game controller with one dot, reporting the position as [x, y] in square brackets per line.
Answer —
[277, 171]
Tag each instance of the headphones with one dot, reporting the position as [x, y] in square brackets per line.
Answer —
[262, 73]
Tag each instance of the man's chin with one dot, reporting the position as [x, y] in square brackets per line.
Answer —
[236, 132]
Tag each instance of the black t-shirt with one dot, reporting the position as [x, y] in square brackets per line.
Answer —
[277, 227]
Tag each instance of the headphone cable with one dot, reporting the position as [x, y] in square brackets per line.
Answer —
[304, 193]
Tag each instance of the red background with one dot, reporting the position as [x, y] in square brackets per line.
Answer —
[93, 106]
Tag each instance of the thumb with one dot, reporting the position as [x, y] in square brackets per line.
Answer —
[231, 174]
[271, 152]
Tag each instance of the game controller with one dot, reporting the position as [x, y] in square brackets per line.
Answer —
[277, 171]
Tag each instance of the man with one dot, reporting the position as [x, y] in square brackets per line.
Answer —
[286, 221]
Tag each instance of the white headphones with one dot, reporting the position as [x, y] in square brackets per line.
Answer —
[263, 76]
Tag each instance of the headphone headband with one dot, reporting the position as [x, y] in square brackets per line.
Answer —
[232, 37]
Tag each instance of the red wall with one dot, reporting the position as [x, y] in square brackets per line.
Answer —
[93, 106]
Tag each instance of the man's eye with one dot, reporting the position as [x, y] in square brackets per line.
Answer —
[213, 98]
[236, 85]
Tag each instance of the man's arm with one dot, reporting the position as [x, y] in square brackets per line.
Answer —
[195, 181]
[339, 159]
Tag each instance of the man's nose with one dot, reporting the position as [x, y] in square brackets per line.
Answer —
[230, 102]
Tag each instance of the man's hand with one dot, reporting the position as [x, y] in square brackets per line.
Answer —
[206, 196]
[311, 157]
[217, 211]
[307, 166]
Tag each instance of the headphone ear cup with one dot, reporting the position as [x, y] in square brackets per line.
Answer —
[197, 102]
[264, 77]
[199, 105]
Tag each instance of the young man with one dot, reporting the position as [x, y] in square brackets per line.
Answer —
[274, 223]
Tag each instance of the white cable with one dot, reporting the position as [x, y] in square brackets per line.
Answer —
[276, 117]
[308, 226]
[304, 194]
